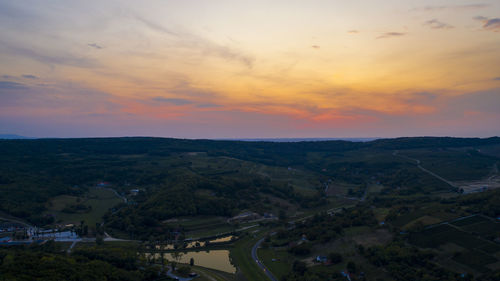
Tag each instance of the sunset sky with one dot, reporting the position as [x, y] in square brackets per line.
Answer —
[250, 69]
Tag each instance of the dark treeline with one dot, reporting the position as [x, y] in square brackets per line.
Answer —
[47, 262]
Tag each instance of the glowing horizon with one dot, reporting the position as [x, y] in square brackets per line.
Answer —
[250, 69]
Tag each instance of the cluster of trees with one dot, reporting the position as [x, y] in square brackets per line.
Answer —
[179, 197]
[300, 272]
[116, 256]
[404, 262]
[48, 263]
[487, 203]
[77, 208]
[323, 228]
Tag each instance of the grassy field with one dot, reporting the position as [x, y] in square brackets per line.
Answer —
[198, 227]
[432, 238]
[213, 166]
[454, 164]
[427, 214]
[475, 259]
[347, 247]
[100, 201]
[469, 221]
[424, 220]
[381, 213]
[207, 274]
[471, 250]
[340, 188]
[483, 228]
[241, 256]
[279, 262]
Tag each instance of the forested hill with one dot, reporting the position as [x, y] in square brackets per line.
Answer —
[35, 170]
[247, 149]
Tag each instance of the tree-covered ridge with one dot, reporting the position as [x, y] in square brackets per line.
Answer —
[234, 175]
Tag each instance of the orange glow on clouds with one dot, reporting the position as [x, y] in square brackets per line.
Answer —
[289, 66]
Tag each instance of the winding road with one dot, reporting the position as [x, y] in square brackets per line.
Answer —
[396, 153]
[259, 263]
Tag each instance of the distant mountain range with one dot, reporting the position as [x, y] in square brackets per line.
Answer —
[304, 139]
[17, 137]
[13, 137]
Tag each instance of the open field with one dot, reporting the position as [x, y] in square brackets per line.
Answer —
[459, 164]
[427, 214]
[347, 247]
[241, 256]
[208, 274]
[475, 259]
[340, 188]
[469, 220]
[474, 251]
[278, 261]
[100, 201]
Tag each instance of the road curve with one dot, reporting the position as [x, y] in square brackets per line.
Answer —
[395, 153]
[259, 263]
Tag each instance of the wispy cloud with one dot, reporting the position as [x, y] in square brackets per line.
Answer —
[29, 76]
[315, 47]
[206, 47]
[95, 46]
[174, 101]
[156, 27]
[453, 7]
[391, 34]
[46, 57]
[492, 24]
[9, 85]
[352, 31]
[436, 24]
[208, 105]
[57, 99]
[497, 78]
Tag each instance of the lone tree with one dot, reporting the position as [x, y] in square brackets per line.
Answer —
[299, 267]
[351, 267]
[191, 262]
[335, 258]
[174, 265]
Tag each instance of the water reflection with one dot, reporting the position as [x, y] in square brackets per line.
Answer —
[196, 244]
[215, 259]
[223, 239]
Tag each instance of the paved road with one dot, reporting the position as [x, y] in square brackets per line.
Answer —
[259, 263]
[175, 277]
[71, 247]
[395, 153]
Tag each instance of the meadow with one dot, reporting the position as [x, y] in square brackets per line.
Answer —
[478, 252]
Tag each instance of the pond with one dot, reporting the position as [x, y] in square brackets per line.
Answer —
[197, 244]
[215, 259]
[223, 239]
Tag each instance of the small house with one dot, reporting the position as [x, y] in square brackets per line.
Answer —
[103, 184]
[321, 259]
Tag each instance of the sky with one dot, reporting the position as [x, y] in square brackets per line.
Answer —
[250, 69]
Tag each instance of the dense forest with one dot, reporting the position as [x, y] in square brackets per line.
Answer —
[389, 209]
[47, 262]
[234, 175]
